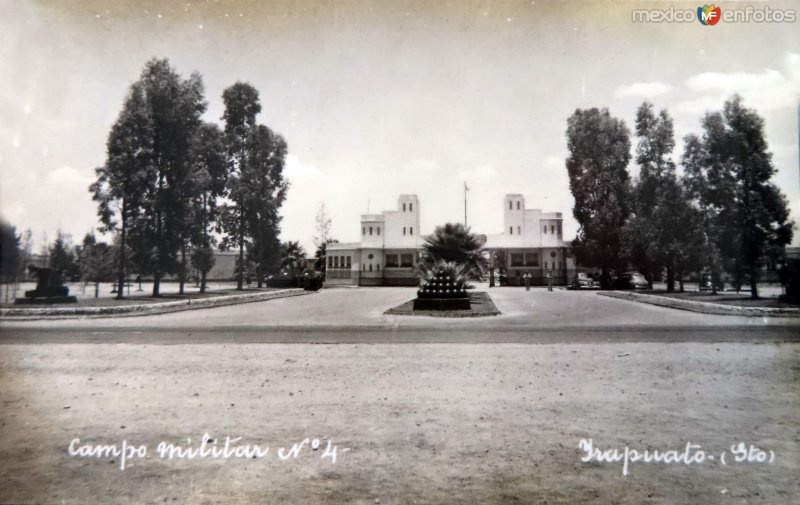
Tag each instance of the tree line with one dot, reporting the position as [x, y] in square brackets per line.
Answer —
[721, 215]
[173, 184]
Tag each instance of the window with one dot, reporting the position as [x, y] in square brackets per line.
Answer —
[392, 261]
[370, 267]
[378, 267]
[406, 260]
[363, 231]
[411, 230]
[510, 230]
[411, 207]
[517, 205]
[559, 229]
[335, 262]
[404, 207]
[519, 230]
[517, 259]
[364, 267]
[545, 229]
[404, 230]
[370, 230]
[532, 259]
[510, 205]
[379, 230]
[552, 228]
[348, 262]
[330, 261]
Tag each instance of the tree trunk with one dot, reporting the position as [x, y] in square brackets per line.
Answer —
[97, 289]
[670, 277]
[182, 276]
[121, 271]
[753, 282]
[240, 276]
[156, 283]
[203, 281]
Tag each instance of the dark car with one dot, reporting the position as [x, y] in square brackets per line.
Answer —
[631, 280]
[705, 283]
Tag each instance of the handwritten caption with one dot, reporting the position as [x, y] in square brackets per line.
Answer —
[692, 454]
[207, 448]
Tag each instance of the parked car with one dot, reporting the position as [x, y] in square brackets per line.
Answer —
[631, 280]
[584, 281]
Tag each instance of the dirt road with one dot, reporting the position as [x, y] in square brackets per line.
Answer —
[425, 423]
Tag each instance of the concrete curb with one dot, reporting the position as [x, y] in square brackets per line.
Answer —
[145, 309]
[703, 307]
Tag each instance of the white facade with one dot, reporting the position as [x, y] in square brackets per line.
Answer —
[388, 252]
[531, 242]
[390, 246]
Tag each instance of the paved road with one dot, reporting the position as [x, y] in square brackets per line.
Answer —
[356, 315]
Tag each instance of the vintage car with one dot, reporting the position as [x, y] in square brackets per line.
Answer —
[631, 280]
[584, 281]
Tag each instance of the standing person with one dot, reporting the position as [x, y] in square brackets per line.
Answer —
[549, 281]
[527, 278]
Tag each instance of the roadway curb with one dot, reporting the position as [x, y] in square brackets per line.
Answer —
[146, 309]
[704, 307]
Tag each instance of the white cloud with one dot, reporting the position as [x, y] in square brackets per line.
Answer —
[767, 90]
[642, 90]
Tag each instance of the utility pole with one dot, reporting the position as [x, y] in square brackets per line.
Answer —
[465, 203]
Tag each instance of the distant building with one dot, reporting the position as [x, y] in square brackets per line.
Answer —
[532, 242]
[391, 247]
[388, 253]
[224, 268]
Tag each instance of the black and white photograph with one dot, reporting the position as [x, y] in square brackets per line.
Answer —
[399, 252]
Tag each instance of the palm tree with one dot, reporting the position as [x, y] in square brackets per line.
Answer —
[292, 255]
[457, 244]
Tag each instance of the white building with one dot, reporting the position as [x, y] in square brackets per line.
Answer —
[391, 246]
[387, 254]
[531, 242]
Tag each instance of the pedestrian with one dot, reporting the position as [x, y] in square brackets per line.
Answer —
[549, 281]
[527, 278]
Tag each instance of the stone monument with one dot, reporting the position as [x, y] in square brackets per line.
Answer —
[50, 288]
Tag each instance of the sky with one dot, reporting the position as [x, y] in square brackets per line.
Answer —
[378, 98]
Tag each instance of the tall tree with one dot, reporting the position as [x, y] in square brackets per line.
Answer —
[653, 155]
[175, 105]
[242, 105]
[664, 230]
[209, 171]
[599, 152]
[702, 195]
[147, 167]
[256, 185]
[121, 182]
[753, 216]
[267, 192]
